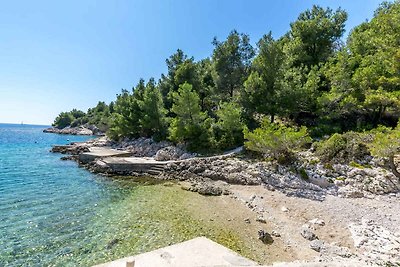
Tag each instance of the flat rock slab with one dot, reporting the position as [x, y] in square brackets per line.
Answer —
[134, 160]
[193, 253]
[107, 152]
[102, 152]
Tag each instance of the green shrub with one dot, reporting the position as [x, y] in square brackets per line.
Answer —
[328, 166]
[64, 119]
[304, 174]
[190, 126]
[343, 148]
[358, 165]
[228, 130]
[314, 161]
[386, 144]
[276, 140]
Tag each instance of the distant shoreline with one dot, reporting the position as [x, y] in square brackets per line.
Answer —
[88, 130]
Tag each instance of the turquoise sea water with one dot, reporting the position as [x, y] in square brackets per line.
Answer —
[53, 213]
[44, 202]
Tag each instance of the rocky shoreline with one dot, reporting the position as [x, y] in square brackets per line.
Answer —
[305, 180]
[307, 177]
[80, 130]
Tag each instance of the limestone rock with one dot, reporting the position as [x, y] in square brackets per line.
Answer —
[265, 237]
[275, 233]
[317, 221]
[80, 130]
[316, 245]
[284, 209]
[168, 153]
[208, 189]
[308, 234]
[261, 219]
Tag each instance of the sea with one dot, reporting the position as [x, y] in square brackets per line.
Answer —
[53, 213]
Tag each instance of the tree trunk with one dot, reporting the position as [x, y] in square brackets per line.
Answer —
[231, 89]
[393, 167]
[272, 118]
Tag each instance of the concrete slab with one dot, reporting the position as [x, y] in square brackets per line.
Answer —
[102, 152]
[107, 152]
[193, 253]
[134, 160]
[135, 164]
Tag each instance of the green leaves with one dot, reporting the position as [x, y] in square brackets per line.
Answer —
[262, 88]
[313, 37]
[140, 113]
[232, 60]
[343, 148]
[153, 120]
[189, 124]
[228, 130]
[386, 144]
[63, 120]
[307, 77]
[276, 140]
[365, 76]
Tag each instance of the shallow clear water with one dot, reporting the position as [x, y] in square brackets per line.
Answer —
[44, 202]
[53, 213]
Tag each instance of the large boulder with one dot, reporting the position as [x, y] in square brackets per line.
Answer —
[169, 153]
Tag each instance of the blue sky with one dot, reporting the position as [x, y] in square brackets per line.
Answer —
[59, 55]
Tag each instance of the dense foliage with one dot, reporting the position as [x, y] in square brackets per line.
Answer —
[343, 148]
[308, 78]
[386, 144]
[276, 140]
[190, 125]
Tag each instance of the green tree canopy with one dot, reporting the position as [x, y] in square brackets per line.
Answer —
[228, 129]
[262, 87]
[314, 36]
[232, 61]
[276, 140]
[125, 121]
[64, 119]
[153, 120]
[189, 124]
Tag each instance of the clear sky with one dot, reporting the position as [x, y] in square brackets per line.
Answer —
[59, 55]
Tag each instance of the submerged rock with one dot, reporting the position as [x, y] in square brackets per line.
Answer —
[208, 189]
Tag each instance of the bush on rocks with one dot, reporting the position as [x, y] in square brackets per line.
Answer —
[343, 148]
[386, 145]
[276, 140]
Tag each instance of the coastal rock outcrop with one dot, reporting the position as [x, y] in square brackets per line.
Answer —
[173, 153]
[81, 130]
[302, 179]
[72, 149]
[231, 170]
[306, 178]
[168, 153]
[140, 147]
[377, 242]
